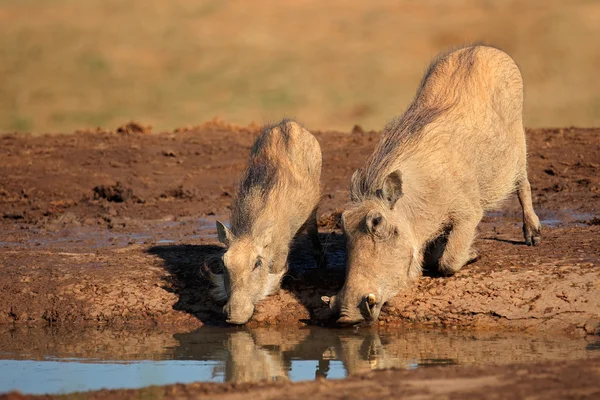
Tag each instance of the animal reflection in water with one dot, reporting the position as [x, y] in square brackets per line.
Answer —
[273, 354]
[263, 354]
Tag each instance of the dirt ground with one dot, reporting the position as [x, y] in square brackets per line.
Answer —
[117, 228]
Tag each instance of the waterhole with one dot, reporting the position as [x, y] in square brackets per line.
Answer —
[54, 361]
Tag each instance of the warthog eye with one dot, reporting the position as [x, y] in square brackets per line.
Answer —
[257, 264]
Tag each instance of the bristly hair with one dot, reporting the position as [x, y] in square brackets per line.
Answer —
[284, 127]
[258, 180]
[428, 105]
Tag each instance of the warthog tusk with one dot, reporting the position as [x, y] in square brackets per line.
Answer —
[371, 299]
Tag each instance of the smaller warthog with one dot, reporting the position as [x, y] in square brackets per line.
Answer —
[457, 151]
[276, 198]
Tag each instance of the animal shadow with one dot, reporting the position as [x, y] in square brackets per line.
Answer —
[188, 267]
[307, 282]
[435, 249]
[432, 255]
[509, 241]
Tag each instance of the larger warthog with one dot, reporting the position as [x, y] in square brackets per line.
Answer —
[276, 197]
[457, 151]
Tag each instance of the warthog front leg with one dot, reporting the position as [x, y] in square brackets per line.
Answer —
[313, 232]
[531, 222]
[458, 250]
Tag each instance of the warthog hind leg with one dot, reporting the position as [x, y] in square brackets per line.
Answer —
[531, 223]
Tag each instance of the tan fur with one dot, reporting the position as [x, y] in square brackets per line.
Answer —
[277, 196]
[249, 362]
[457, 151]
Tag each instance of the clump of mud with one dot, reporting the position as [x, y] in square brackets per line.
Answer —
[593, 221]
[134, 127]
[331, 221]
[115, 193]
[178, 193]
[358, 130]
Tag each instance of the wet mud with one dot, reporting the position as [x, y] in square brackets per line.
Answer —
[117, 228]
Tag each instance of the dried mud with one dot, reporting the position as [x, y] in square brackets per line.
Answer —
[117, 228]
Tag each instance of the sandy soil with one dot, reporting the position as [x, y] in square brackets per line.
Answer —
[116, 228]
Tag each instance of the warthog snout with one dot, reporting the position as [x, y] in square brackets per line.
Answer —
[346, 320]
[238, 314]
[367, 309]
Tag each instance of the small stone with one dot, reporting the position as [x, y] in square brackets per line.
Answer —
[592, 326]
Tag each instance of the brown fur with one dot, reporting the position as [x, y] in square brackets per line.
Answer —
[277, 196]
[457, 151]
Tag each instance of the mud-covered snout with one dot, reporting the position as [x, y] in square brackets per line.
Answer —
[366, 309]
[237, 312]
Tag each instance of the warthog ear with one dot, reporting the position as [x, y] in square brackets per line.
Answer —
[392, 188]
[224, 234]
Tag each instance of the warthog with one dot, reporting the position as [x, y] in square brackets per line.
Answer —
[457, 151]
[276, 197]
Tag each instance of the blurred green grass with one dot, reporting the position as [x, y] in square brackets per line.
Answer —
[68, 64]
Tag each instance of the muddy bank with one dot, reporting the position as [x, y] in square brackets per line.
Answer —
[550, 380]
[116, 228]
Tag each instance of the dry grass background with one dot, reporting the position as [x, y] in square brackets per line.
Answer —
[67, 64]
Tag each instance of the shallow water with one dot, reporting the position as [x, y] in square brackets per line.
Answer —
[550, 218]
[57, 361]
[77, 238]
[184, 230]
